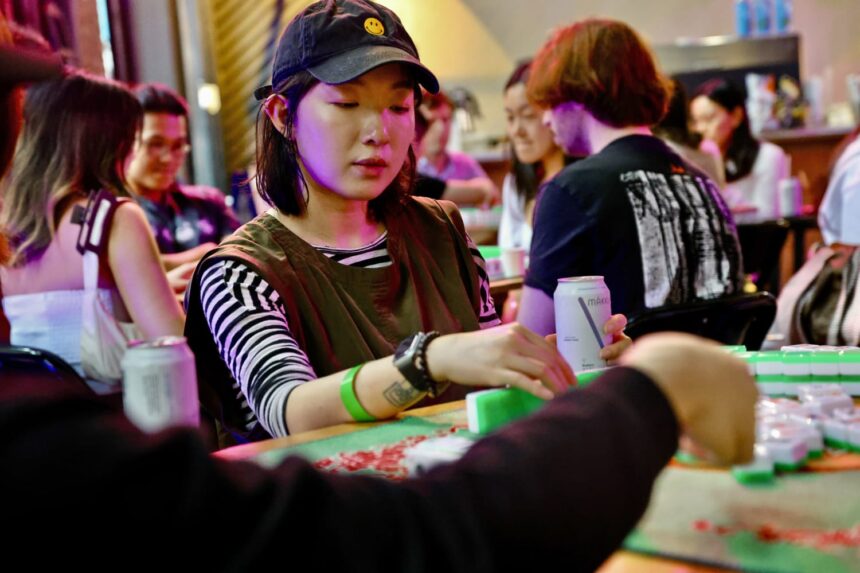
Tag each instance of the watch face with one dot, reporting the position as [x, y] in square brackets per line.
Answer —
[408, 359]
[406, 346]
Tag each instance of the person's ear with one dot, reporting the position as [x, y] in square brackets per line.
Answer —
[275, 108]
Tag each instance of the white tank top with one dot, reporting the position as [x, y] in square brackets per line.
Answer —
[50, 321]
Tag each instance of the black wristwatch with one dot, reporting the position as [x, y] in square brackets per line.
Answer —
[410, 358]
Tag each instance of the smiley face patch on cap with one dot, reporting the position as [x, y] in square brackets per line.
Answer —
[374, 26]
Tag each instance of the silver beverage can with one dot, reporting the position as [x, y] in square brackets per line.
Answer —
[582, 307]
[159, 384]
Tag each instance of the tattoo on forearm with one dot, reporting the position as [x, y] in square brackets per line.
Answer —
[401, 393]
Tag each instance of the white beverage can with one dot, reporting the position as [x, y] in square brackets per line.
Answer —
[582, 307]
[790, 197]
[159, 384]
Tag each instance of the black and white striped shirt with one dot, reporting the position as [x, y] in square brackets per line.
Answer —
[243, 310]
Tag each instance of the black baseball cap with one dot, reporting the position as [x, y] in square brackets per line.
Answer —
[338, 40]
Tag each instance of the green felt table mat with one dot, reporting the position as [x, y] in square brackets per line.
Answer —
[681, 498]
[816, 502]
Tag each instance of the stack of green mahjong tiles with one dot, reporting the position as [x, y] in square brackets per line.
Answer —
[780, 372]
[491, 409]
[789, 432]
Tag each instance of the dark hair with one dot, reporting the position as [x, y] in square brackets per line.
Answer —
[520, 75]
[279, 178]
[77, 133]
[421, 125]
[675, 125]
[605, 66]
[158, 98]
[743, 148]
[527, 176]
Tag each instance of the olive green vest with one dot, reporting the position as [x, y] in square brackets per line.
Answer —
[339, 315]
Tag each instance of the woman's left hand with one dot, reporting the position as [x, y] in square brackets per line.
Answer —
[620, 341]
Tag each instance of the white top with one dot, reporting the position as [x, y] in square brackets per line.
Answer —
[50, 321]
[514, 229]
[760, 188]
[839, 214]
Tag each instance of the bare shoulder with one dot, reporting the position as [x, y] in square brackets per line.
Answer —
[130, 227]
[129, 213]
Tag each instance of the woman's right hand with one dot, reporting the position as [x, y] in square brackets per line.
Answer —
[508, 355]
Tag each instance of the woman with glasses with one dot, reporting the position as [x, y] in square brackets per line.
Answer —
[78, 133]
[187, 220]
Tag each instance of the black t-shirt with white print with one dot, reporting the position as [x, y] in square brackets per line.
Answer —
[654, 227]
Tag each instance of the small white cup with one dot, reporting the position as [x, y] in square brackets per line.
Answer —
[513, 261]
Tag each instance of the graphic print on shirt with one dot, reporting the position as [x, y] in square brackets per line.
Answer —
[681, 237]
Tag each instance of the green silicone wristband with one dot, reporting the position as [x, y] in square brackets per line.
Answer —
[350, 400]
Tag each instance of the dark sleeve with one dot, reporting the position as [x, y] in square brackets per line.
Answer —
[565, 485]
[426, 186]
[561, 241]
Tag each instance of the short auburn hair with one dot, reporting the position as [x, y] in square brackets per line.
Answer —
[605, 66]
[437, 100]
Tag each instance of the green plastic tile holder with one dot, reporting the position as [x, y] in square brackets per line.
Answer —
[489, 410]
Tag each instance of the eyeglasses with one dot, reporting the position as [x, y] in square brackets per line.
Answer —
[158, 147]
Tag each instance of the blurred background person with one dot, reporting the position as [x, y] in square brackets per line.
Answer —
[78, 132]
[821, 302]
[839, 214]
[467, 182]
[17, 66]
[536, 159]
[460, 191]
[674, 129]
[618, 212]
[186, 220]
[753, 168]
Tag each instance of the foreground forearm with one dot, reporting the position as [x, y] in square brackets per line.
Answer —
[563, 486]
